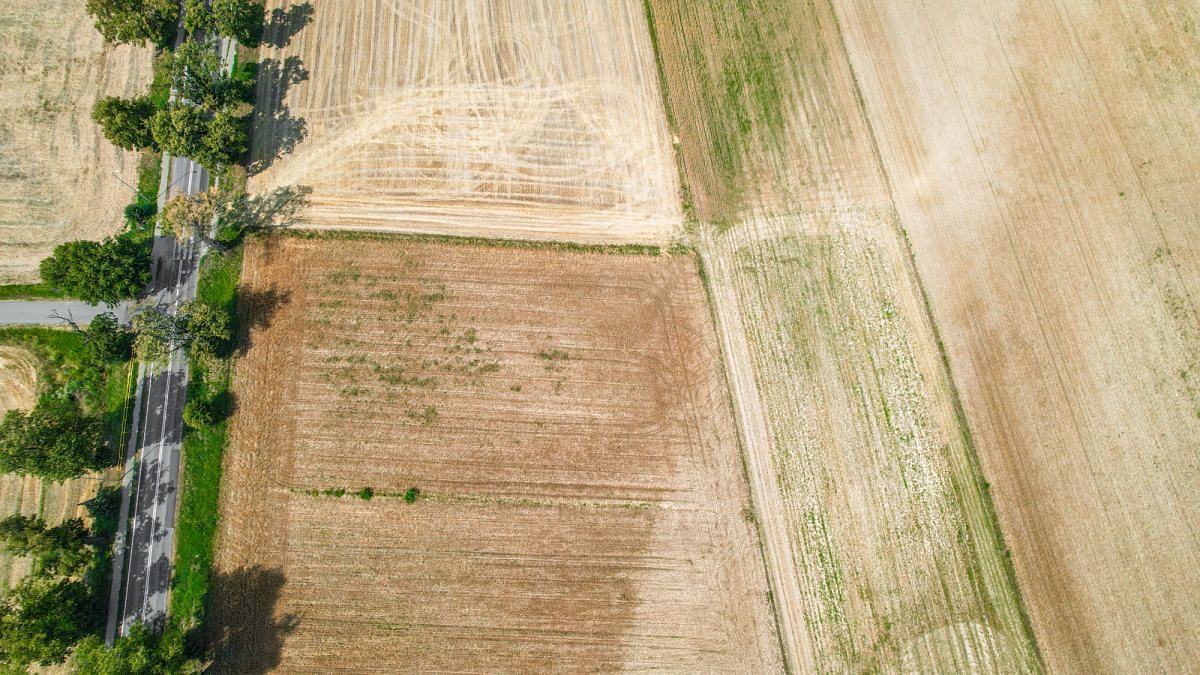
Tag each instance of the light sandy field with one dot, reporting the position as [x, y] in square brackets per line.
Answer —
[563, 413]
[513, 118]
[57, 180]
[55, 502]
[882, 547]
[1044, 159]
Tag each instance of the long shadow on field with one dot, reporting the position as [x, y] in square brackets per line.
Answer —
[277, 208]
[276, 131]
[285, 23]
[245, 634]
[256, 308]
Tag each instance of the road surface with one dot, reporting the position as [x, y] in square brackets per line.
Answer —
[39, 312]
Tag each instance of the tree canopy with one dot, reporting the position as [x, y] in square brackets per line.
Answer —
[135, 21]
[106, 340]
[240, 19]
[94, 272]
[197, 325]
[138, 651]
[41, 619]
[61, 550]
[125, 121]
[54, 441]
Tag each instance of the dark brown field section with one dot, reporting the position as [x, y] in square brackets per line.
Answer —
[583, 505]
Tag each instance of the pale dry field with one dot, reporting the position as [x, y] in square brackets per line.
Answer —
[57, 180]
[882, 545]
[1044, 163]
[27, 495]
[513, 118]
[563, 413]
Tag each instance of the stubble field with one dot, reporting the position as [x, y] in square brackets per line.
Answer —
[882, 546]
[515, 118]
[1044, 158]
[57, 182]
[564, 416]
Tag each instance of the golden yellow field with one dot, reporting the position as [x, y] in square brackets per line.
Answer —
[512, 118]
[563, 413]
[57, 182]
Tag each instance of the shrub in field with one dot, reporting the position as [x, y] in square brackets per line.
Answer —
[365, 494]
[411, 495]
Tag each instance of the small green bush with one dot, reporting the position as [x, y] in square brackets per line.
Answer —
[365, 494]
[411, 494]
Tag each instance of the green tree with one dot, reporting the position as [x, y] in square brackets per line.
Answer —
[106, 340]
[227, 140]
[41, 619]
[138, 651]
[135, 21]
[54, 441]
[125, 121]
[209, 327]
[61, 550]
[197, 74]
[96, 272]
[180, 131]
[197, 17]
[240, 19]
[159, 333]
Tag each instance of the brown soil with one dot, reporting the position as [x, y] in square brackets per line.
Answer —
[583, 505]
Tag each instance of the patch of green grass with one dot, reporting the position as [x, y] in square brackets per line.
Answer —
[203, 448]
[29, 292]
[343, 235]
[160, 86]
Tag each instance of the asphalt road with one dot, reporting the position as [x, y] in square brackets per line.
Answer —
[39, 312]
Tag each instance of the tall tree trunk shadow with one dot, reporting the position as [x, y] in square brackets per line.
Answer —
[245, 630]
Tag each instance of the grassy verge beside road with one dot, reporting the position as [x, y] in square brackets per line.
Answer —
[203, 448]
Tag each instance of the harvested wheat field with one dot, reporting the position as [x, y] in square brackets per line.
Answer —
[57, 183]
[582, 504]
[882, 546]
[1046, 170]
[515, 118]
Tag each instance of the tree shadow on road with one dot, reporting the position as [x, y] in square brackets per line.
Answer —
[285, 23]
[276, 131]
[246, 632]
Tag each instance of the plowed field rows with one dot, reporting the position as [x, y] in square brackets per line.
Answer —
[531, 118]
[563, 413]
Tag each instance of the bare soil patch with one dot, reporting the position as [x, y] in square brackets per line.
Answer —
[563, 413]
[515, 118]
[58, 183]
[1044, 163]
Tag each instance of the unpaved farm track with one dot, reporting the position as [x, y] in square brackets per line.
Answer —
[564, 414]
[510, 118]
[57, 180]
[1044, 158]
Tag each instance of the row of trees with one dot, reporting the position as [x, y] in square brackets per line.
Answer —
[209, 118]
[155, 21]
